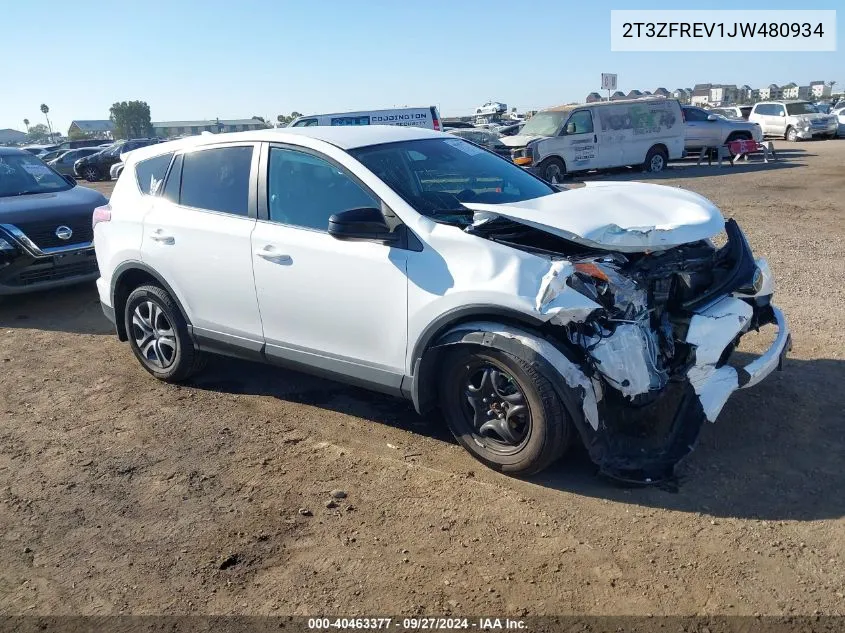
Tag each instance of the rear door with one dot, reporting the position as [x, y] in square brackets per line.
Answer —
[197, 236]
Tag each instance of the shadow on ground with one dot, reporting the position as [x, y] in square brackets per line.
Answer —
[775, 453]
[75, 310]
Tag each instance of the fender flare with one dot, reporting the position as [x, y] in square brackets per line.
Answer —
[135, 265]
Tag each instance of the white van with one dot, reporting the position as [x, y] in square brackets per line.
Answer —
[647, 132]
[408, 117]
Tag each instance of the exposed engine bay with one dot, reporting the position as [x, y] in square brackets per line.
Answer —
[656, 349]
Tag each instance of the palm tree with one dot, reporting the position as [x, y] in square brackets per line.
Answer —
[26, 123]
[45, 110]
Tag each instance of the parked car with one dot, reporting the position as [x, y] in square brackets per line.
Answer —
[415, 263]
[48, 156]
[65, 161]
[733, 112]
[793, 120]
[705, 129]
[84, 142]
[457, 125]
[839, 113]
[39, 150]
[600, 135]
[406, 117]
[97, 166]
[45, 226]
[511, 129]
[116, 170]
[486, 139]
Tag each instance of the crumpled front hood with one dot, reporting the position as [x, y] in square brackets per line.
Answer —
[518, 140]
[619, 216]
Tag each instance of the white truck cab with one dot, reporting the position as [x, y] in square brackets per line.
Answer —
[647, 132]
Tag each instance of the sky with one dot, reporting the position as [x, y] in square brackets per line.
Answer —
[218, 58]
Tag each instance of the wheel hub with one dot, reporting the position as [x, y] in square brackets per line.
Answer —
[497, 407]
[153, 334]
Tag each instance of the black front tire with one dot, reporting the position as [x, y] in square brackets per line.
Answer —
[552, 170]
[151, 311]
[655, 160]
[91, 173]
[549, 432]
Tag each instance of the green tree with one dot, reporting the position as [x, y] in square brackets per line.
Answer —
[131, 119]
[286, 119]
[26, 123]
[45, 111]
[76, 134]
[37, 133]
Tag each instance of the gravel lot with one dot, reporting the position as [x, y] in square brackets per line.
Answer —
[119, 494]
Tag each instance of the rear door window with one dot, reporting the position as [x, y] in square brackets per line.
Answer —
[217, 179]
[150, 173]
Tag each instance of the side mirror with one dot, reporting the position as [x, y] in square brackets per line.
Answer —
[712, 117]
[782, 113]
[364, 224]
[70, 180]
[570, 128]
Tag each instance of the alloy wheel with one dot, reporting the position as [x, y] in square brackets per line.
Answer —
[657, 163]
[90, 174]
[495, 408]
[153, 333]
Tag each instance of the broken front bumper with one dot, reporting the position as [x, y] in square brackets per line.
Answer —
[712, 331]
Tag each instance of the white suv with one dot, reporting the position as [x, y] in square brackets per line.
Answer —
[417, 264]
[793, 120]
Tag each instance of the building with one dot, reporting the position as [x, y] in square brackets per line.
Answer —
[634, 94]
[662, 92]
[9, 136]
[700, 94]
[682, 94]
[789, 91]
[593, 97]
[772, 91]
[616, 96]
[95, 128]
[166, 129]
[819, 90]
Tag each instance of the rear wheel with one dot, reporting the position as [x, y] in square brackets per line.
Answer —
[552, 170]
[655, 160]
[91, 173]
[791, 134]
[501, 410]
[158, 335]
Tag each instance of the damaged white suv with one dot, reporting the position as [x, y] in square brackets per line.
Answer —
[420, 265]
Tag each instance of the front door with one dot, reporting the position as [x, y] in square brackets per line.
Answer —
[197, 236]
[340, 306]
[580, 143]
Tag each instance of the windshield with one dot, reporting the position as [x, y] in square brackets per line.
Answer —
[544, 124]
[801, 108]
[21, 174]
[435, 176]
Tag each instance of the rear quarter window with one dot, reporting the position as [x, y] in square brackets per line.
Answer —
[150, 173]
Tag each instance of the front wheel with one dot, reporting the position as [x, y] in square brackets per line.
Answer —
[91, 173]
[791, 134]
[655, 160]
[552, 170]
[501, 410]
[158, 335]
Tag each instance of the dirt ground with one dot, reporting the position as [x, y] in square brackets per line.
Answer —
[120, 494]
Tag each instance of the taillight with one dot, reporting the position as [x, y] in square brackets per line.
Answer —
[436, 125]
[435, 120]
[101, 214]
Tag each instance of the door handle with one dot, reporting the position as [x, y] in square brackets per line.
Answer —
[272, 255]
[595, 138]
[159, 236]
